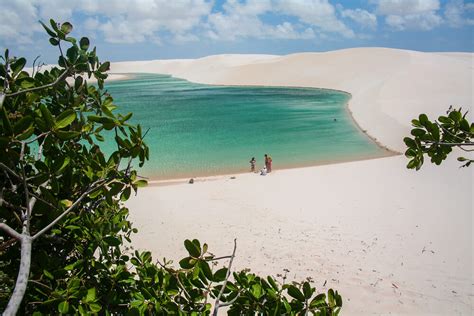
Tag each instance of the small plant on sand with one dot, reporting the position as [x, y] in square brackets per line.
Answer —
[63, 222]
[437, 138]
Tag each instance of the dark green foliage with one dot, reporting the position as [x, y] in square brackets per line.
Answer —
[436, 139]
[51, 127]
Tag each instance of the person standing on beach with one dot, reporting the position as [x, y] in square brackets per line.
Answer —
[252, 164]
[268, 163]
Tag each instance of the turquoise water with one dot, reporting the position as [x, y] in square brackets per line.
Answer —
[198, 129]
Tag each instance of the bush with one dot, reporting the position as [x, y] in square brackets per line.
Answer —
[62, 205]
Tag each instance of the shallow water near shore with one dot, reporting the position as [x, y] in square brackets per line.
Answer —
[201, 130]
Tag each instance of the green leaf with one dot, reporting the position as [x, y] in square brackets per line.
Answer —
[331, 300]
[95, 307]
[6, 122]
[78, 82]
[187, 263]
[104, 67]
[206, 269]
[66, 28]
[23, 124]
[27, 83]
[319, 300]
[456, 116]
[294, 292]
[47, 116]
[272, 282]
[141, 183]
[416, 123]
[464, 124]
[409, 142]
[67, 135]
[445, 120]
[84, 43]
[54, 41]
[54, 25]
[126, 194]
[48, 275]
[423, 120]
[65, 119]
[192, 249]
[63, 307]
[418, 132]
[220, 275]
[48, 30]
[72, 54]
[112, 241]
[307, 291]
[91, 295]
[256, 290]
[17, 66]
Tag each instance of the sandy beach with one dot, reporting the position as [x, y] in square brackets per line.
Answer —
[391, 240]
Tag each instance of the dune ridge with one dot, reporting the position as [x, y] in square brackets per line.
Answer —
[391, 240]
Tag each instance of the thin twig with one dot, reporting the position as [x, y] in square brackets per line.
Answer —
[221, 292]
[448, 144]
[92, 187]
[219, 258]
[49, 85]
[447, 131]
[34, 62]
[9, 170]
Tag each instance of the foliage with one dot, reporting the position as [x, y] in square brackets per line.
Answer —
[64, 196]
[436, 139]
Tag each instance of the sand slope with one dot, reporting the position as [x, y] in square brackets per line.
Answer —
[391, 240]
[389, 87]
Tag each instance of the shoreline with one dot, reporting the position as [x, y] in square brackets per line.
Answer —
[225, 176]
[154, 181]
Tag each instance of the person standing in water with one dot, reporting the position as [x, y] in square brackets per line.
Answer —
[269, 163]
[266, 161]
[252, 164]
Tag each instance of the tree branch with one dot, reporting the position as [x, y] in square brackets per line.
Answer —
[221, 292]
[22, 279]
[93, 187]
[10, 171]
[49, 85]
[10, 231]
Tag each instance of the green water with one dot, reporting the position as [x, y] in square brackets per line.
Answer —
[198, 129]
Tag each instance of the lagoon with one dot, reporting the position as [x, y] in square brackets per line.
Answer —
[200, 130]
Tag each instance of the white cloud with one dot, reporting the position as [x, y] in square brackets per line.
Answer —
[410, 14]
[405, 7]
[362, 17]
[317, 13]
[243, 20]
[424, 22]
[121, 21]
[454, 12]
[12, 21]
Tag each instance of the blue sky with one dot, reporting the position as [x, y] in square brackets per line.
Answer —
[162, 29]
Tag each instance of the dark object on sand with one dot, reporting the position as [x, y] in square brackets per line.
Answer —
[191, 181]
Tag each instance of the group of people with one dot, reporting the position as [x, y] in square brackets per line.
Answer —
[267, 168]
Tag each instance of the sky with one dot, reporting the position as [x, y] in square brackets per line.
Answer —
[163, 29]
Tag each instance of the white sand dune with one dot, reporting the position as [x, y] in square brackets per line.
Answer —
[391, 240]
